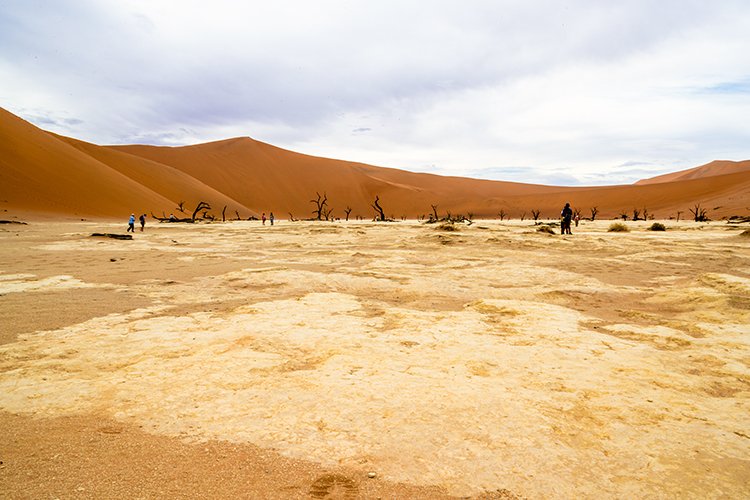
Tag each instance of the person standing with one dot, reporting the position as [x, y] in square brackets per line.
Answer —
[263, 217]
[142, 220]
[565, 217]
[270, 217]
[131, 224]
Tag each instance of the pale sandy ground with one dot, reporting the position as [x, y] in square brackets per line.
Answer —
[234, 359]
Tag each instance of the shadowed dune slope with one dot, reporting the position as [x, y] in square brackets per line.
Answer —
[44, 173]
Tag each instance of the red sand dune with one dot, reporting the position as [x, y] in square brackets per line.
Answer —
[716, 167]
[46, 174]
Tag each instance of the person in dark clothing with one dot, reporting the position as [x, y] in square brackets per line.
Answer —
[142, 220]
[566, 216]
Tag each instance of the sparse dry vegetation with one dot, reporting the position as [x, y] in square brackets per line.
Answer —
[618, 227]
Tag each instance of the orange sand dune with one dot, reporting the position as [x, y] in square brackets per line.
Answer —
[167, 181]
[273, 179]
[43, 173]
[716, 167]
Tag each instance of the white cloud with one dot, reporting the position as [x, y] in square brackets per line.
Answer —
[572, 90]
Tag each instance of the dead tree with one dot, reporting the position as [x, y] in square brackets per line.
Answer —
[171, 218]
[434, 212]
[623, 215]
[679, 212]
[320, 203]
[636, 214]
[347, 211]
[523, 216]
[502, 214]
[535, 214]
[223, 214]
[594, 211]
[202, 205]
[237, 213]
[645, 213]
[699, 214]
[291, 217]
[328, 213]
[181, 206]
[379, 209]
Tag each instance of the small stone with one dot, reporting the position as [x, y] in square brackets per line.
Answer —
[371, 475]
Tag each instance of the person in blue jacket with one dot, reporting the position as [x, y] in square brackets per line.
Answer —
[131, 223]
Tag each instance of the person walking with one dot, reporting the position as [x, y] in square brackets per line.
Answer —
[131, 224]
[565, 217]
[270, 217]
[142, 220]
[263, 217]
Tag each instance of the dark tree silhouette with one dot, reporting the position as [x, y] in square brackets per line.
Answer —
[379, 209]
[594, 211]
[320, 203]
[202, 205]
[535, 214]
[347, 211]
[699, 214]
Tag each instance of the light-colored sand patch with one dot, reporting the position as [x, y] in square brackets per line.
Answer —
[480, 390]
[16, 283]
[551, 367]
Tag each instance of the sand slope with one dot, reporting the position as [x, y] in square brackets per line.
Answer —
[717, 167]
[46, 173]
[41, 173]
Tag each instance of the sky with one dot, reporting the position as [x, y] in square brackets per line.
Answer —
[567, 92]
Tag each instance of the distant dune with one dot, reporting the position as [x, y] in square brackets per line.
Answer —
[717, 167]
[44, 174]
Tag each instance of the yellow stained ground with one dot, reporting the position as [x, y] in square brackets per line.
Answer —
[494, 357]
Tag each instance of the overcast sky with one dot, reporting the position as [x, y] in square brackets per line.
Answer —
[557, 92]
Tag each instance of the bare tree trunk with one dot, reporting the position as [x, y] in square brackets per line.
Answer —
[594, 211]
[377, 207]
[320, 202]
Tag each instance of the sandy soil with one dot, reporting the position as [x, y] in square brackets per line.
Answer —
[234, 359]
